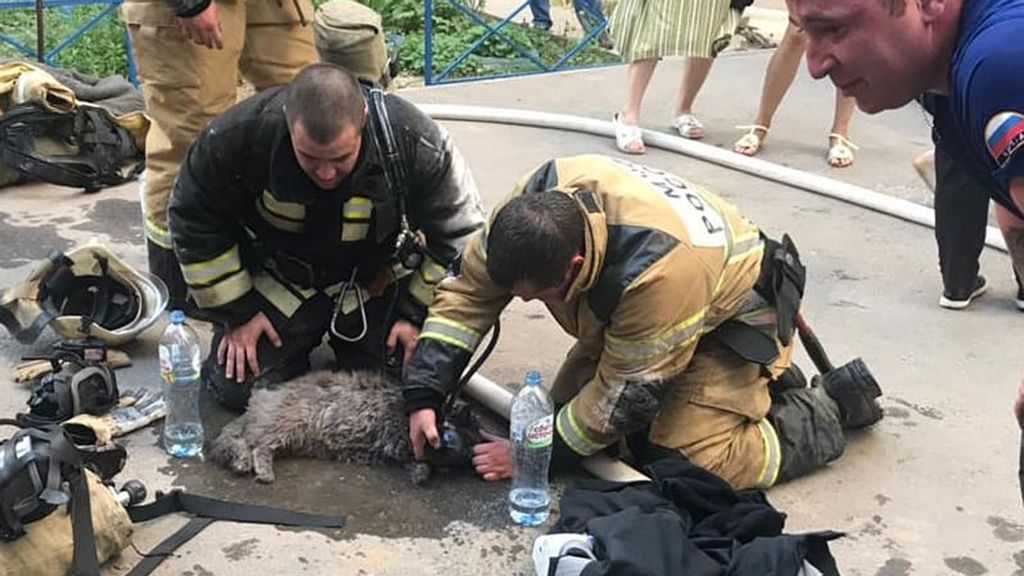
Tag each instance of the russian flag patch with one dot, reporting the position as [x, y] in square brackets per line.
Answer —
[1004, 134]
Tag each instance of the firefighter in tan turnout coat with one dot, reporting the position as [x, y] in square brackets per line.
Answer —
[676, 347]
[190, 54]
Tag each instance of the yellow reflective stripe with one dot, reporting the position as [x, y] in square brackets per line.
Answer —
[278, 222]
[572, 434]
[277, 294]
[451, 332]
[287, 210]
[200, 274]
[772, 455]
[222, 292]
[745, 245]
[357, 208]
[354, 231]
[677, 336]
[158, 235]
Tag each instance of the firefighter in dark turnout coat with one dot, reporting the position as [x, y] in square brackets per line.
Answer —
[286, 227]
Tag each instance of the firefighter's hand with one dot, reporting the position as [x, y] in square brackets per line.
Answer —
[238, 347]
[423, 429]
[493, 459]
[204, 28]
[406, 334]
[1018, 406]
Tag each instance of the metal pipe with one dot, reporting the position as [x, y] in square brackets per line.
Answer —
[498, 399]
[40, 29]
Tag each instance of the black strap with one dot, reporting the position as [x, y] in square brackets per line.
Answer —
[781, 283]
[178, 501]
[84, 552]
[167, 547]
[394, 165]
[206, 511]
[748, 342]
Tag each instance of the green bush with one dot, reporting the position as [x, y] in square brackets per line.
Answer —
[454, 32]
[101, 51]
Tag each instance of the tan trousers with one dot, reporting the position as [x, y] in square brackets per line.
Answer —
[715, 415]
[186, 85]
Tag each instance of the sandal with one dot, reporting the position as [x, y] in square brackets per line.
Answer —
[629, 138]
[750, 143]
[689, 127]
[840, 154]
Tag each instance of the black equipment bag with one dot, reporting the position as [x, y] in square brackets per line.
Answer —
[101, 153]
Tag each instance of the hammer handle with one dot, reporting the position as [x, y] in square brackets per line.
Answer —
[813, 346]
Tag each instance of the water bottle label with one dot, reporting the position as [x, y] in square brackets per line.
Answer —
[540, 433]
[166, 363]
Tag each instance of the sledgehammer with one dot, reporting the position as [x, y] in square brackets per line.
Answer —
[852, 385]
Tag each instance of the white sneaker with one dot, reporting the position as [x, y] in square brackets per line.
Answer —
[961, 301]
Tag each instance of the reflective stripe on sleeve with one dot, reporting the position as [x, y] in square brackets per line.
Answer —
[772, 455]
[209, 272]
[572, 433]
[451, 332]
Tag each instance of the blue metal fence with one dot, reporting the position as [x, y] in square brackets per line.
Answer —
[48, 57]
[592, 19]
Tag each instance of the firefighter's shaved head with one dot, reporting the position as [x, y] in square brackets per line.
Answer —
[326, 99]
[534, 239]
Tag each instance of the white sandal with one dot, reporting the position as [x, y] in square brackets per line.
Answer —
[629, 138]
[840, 154]
[689, 127]
[750, 143]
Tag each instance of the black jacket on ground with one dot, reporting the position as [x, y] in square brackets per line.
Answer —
[687, 521]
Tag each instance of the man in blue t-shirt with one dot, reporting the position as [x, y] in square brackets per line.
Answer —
[966, 54]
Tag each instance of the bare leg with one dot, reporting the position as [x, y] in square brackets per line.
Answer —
[778, 77]
[781, 72]
[694, 75]
[639, 77]
[840, 149]
[1013, 231]
[845, 106]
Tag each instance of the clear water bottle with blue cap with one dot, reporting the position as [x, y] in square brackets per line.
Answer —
[531, 433]
[180, 361]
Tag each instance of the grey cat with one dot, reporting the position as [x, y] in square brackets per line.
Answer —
[346, 416]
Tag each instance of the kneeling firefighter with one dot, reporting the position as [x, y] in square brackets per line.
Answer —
[684, 315]
[324, 206]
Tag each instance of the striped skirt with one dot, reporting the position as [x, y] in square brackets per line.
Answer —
[643, 29]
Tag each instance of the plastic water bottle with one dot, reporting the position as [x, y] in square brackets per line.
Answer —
[179, 367]
[532, 429]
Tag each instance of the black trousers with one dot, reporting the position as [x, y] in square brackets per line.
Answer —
[961, 215]
[300, 334]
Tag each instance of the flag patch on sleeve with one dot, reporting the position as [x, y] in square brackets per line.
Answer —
[1004, 134]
